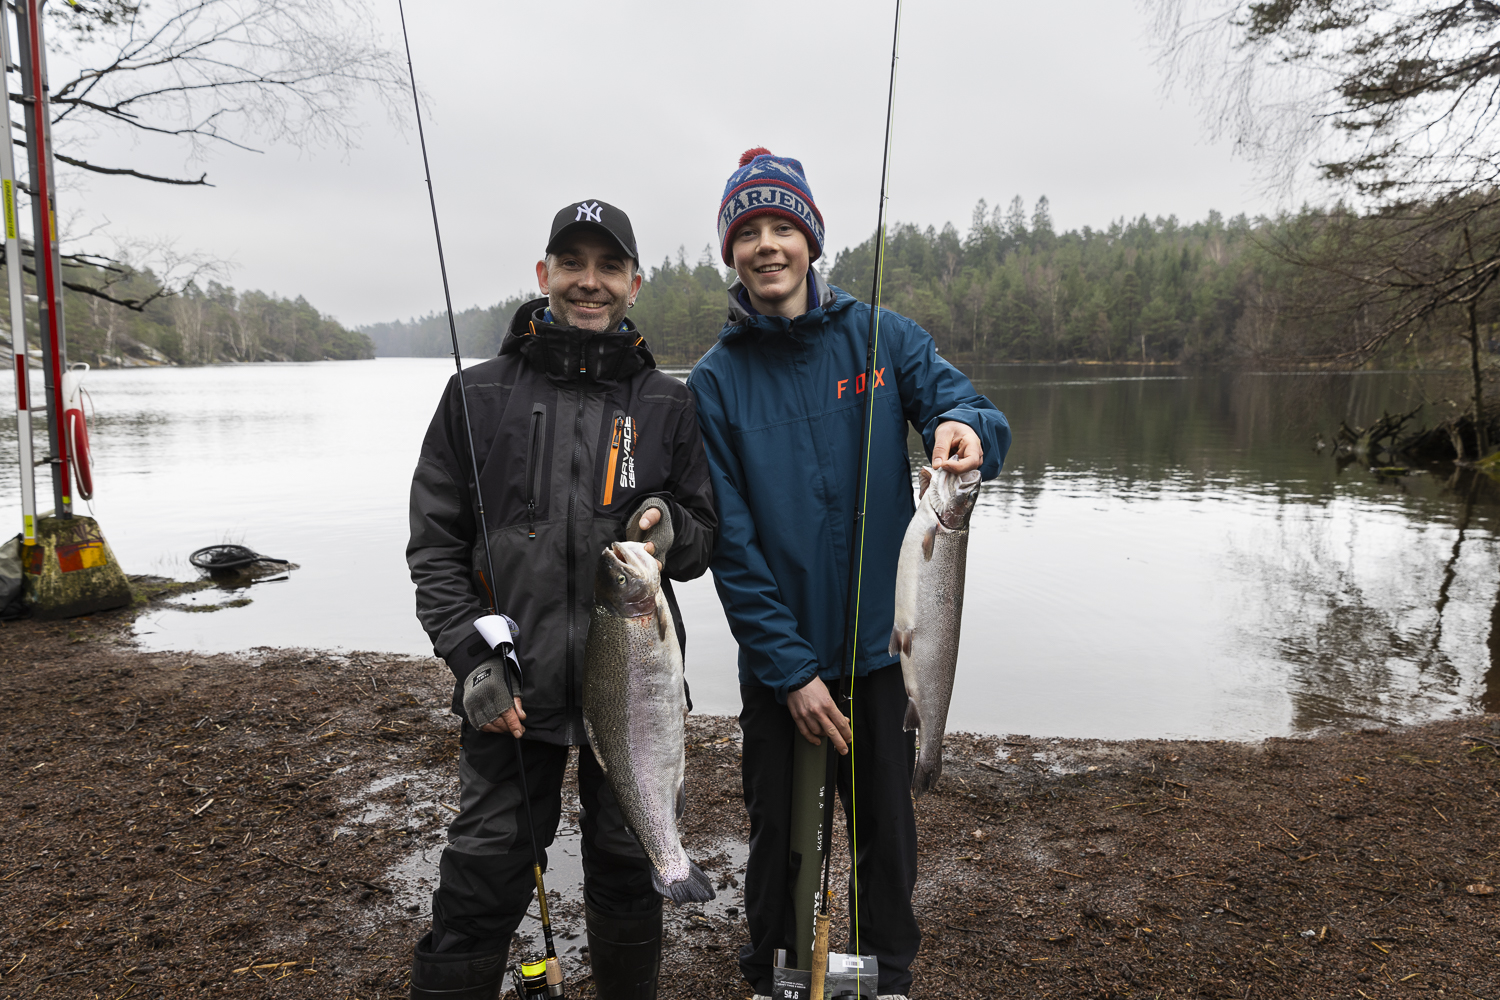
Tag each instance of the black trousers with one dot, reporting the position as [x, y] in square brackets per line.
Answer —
[485, 874]
[886, 859]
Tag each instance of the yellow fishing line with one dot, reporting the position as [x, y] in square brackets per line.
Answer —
[858, 594]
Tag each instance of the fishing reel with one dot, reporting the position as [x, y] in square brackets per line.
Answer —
[539, 980]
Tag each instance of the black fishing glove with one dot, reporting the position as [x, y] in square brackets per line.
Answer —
[660, 536]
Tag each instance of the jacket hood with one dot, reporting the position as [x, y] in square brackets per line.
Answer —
[570, 354]
[741, 320]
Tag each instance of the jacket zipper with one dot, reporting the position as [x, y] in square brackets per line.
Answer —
[534, 464]
[573, 560]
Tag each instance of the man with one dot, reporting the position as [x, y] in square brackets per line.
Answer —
[781, 400]
[578, 439]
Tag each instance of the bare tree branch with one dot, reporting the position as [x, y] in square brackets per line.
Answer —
[85, 165]
[210, 72]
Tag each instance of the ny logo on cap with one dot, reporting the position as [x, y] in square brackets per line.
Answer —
[589, 212]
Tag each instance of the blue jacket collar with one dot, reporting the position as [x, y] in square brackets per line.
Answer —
[743, 318]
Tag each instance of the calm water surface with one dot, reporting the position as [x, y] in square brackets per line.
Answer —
[1165, 555]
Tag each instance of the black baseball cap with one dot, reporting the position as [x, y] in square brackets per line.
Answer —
[593, 214]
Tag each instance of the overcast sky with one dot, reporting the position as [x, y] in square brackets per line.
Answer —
[649, 105]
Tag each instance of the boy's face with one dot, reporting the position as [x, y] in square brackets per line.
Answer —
[770, 256]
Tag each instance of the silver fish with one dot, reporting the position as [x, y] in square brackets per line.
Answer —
[929, 609]
[634, 707]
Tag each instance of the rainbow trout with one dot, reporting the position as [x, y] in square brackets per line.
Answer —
[633, 708]
[929, 608]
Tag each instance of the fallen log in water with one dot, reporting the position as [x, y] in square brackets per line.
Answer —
[1383, 443]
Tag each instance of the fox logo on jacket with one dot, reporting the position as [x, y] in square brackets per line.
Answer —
[859, 382]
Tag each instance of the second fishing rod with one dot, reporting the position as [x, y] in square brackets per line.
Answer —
[815, 769]
[542, 978]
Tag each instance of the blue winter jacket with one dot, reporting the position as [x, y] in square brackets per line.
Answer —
[781, 405]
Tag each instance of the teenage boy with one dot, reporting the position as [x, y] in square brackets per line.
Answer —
[781, 400]
[577, 436]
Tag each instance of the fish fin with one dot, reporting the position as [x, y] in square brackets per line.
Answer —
[661, 626]
[900, 640]
[913, 718]
[681, 799]
[925, 478]
[588, 730]
[928, 540]
[696, 888]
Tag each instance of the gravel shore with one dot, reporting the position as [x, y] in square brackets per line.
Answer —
[268, 823]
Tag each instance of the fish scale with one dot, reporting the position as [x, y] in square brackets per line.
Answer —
[634, 707]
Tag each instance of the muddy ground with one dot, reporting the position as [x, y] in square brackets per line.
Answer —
[261, 825]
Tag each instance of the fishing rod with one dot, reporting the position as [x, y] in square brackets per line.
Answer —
[554, 979]
[857, 554]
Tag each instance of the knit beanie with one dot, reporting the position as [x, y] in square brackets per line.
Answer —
[766, 184]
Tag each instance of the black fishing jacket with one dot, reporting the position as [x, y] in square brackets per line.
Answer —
[573, 429]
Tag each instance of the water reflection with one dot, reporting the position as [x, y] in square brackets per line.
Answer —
[1173, 556]
[1166, 554]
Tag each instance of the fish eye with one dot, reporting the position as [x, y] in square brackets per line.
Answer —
[620, 579]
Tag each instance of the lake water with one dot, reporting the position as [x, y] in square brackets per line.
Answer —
[1166, 553]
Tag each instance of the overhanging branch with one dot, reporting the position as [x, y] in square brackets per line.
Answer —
[134, 305]
[90, 260]
[85, 165]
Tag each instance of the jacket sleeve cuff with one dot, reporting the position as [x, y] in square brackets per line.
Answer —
[470, 652]
[796, 682]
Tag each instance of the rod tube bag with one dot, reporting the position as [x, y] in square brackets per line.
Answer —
[12, 580]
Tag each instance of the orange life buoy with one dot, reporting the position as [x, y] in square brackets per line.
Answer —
[78, 448]
[76, 432]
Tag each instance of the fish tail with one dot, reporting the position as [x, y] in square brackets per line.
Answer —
[929, 770]
[696, 888]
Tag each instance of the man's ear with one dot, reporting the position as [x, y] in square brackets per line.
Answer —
[635, 285]
[541, 276]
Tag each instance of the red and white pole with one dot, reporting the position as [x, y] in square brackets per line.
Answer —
[17, 303]
[44, 233]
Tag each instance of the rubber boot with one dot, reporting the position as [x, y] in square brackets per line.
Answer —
[625, 953]
[455, 975]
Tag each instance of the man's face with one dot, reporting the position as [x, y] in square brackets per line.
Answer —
[589, 283]
[770, 256]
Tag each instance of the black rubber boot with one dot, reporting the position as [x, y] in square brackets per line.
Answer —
[625, 953]
[455, 975]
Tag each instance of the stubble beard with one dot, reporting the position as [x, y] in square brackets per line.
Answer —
[564, 313]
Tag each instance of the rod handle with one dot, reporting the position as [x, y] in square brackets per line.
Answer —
[554, 977]
[820, 954]
[541, 896]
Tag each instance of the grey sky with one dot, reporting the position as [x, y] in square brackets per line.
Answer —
[648, 106]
